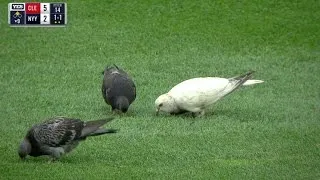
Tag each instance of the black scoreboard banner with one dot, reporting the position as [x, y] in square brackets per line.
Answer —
[37, 14]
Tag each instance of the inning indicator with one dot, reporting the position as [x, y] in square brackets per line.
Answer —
[34, 14]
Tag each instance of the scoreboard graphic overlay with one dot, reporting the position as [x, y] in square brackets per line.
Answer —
[35, 14]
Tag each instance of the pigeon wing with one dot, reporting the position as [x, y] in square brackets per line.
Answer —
[59, 131]
[134, 91]
[124, 86]
[198, 92]
[107, 85]
[105, 92]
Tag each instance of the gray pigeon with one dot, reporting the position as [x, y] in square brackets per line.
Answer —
[59, 135]
[118, 89]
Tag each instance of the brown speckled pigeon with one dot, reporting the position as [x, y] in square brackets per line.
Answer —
[118, 89]
[59, 135]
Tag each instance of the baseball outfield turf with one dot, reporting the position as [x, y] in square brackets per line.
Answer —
[265, 131]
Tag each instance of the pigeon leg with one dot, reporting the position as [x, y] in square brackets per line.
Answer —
[116, 112]
[52, 160]
[202, 113]
[56, 153]
[198, 114]
[194, 114]
[113, 112]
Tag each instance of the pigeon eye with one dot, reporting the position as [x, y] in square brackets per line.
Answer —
[161, 104]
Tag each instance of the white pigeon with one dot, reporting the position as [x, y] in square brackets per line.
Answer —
[197, 94]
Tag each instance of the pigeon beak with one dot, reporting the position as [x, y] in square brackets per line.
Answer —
[157, 111]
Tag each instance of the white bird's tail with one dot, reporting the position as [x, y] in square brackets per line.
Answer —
[238, 81]
[251, 82]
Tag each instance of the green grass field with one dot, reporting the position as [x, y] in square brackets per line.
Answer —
[266, 131]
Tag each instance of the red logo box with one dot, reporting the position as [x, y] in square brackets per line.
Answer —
[32, 8]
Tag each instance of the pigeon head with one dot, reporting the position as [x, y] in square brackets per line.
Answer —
[24, 148]
[165, 103]
[122, 104]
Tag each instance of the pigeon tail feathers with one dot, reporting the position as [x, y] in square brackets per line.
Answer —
[116, 66]
[251, 82]
[243, 77]
[102, 131]
[238, 81]
[92, 126]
